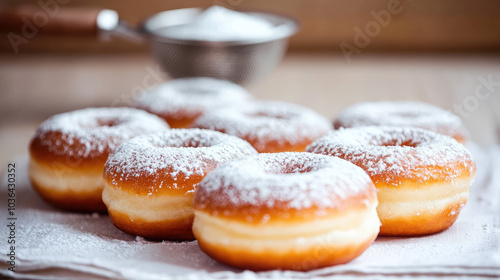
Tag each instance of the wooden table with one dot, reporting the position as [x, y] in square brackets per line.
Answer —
[33, 87]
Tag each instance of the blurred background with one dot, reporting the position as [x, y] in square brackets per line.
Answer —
[443, 52]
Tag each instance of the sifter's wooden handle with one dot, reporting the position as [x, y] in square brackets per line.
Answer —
[49, 20]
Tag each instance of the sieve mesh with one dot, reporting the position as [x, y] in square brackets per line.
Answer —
[241, 64]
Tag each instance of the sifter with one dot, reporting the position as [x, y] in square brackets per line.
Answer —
[240, 61]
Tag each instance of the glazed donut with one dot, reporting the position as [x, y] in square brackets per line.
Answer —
[403, 114]
[293, 211]
[422, 177]
[181, 101]
[270, 127]
[150, 180]
[68, 152]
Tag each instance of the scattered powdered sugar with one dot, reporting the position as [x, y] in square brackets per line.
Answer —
[300, 180]
[393, 154]
[401, 113]
[76, 244]
[264, 122]
[190, 97]
[220, 24]
[178, 151]
[140, 239]
[93, 131]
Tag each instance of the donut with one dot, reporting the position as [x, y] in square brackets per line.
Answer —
[181, 101]
[403, 114]
[150, 180]
[422, 177]
[290, 211]
[271, 127]
[68, 152]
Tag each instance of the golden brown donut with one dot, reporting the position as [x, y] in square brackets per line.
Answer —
[150, 180]
[403, 114]
[181, 101]
[422, 177]
[293, 211]
[271, 127]
[68, 152]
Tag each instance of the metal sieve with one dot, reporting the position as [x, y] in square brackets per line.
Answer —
[240, 61]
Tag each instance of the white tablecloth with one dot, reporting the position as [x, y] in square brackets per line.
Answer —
[51, 244]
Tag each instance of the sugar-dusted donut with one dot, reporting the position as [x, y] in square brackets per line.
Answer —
[294, 211]
[68, 152]
[181, 101]
[269, 126]
[150, 180]
[403, 114]
[422, 177]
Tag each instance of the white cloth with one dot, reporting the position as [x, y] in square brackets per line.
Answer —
[51, 244]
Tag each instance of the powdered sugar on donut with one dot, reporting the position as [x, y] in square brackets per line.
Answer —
[403, 114]
[395, 154]
[185, 152]
[263, 122]
[93, 131]
[190, 97]
[297, 180]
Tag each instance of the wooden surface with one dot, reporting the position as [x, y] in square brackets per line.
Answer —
[423, 25]
[35, 87]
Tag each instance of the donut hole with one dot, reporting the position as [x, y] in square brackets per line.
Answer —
[178, 142]
[265, 115]
[297, 169]
[100, 122]
[108, 122]
[194, 144]
[408, 115]
[268, 115]
[198, 91]
[285, 168]
[395, 138]
[399, 143]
